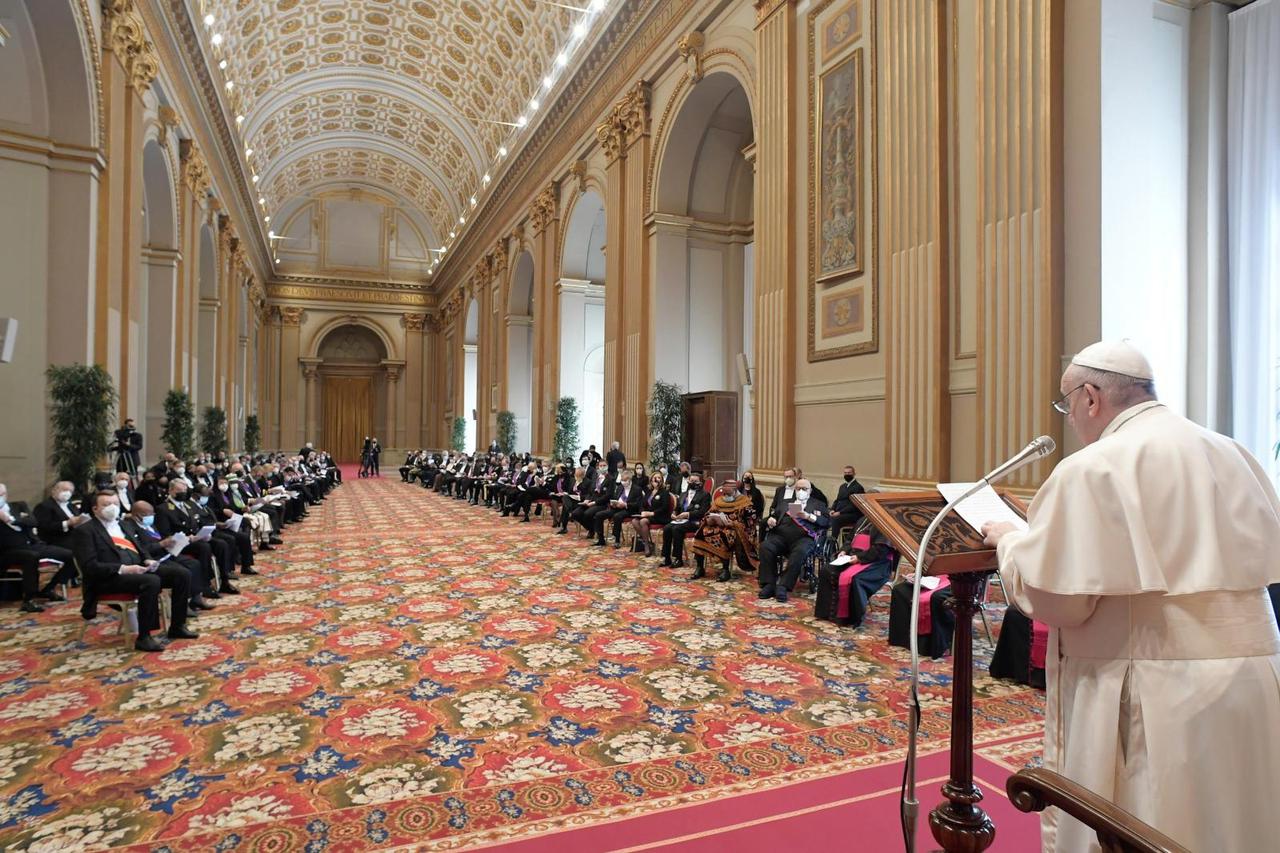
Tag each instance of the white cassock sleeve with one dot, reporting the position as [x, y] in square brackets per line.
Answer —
[1053, 609]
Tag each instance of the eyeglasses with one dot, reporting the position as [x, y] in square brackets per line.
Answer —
[1063, 404]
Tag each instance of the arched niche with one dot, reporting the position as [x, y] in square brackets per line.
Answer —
[702, 244]
[582, 298]
[156, 307]
[471, 370]
[348, 362]
[520, 348]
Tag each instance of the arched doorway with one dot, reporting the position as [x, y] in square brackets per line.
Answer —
[520, 350]
[156, 313]
[702, 242]
[47, 221]
[207, 354]
[471, 372]
[582, 294]
[350, 368]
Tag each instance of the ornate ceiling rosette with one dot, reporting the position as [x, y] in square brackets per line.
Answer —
[412, 97]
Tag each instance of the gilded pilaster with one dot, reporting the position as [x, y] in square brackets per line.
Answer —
[414, 324]
[290, 373]
[775, 214]
[1019, 217]
[546, 324]
[917, 401]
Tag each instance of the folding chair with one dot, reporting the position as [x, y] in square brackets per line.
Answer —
[127, 603]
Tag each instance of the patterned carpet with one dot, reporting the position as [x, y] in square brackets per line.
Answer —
[410, 670]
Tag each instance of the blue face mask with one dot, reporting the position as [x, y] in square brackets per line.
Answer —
[148, 520]
[204, 500]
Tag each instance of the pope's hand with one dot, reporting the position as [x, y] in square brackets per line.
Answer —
[994, 531]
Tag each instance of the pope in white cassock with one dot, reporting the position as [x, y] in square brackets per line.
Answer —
[1148, 554]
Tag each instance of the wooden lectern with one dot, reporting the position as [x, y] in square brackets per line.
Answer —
[959, 823]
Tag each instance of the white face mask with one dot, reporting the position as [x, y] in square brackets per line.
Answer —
[109, 513]
[179, 470]
[222, 487]
[122, 485]
[791, 481]
[802, 495]
[62, 496]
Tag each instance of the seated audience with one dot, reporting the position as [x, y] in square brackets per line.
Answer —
[655, 510]
[727, 532]
[843, 512]
[794, 531]
[57, 517]
[691, 505]
[19, 547]
[114, 562]
[140, 525]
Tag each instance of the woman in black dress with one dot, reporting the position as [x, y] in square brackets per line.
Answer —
[655, 511]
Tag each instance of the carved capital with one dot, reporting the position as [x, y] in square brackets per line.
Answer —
[290, 315]
[544, 209]
[125, 35]
[766, 8]
[414, 322]
[609, 135]
[311, 371]
[499, 258]
[195, 171]
[578, 171]
[393, 371]
[691, 47]
[633, 111]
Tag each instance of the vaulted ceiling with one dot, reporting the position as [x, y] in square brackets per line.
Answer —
[412, 98]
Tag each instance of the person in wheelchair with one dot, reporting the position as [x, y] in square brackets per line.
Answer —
[795, 529]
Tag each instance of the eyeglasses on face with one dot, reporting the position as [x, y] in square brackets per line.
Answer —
[1063, 403]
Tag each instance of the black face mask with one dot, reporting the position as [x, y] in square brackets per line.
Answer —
[848, 478]
[694, 486]
[748, 483]
[180, 496]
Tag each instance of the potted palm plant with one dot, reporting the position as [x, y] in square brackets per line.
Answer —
[82, 409]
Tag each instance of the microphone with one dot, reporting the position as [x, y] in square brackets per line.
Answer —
[1037, 449]
[909, 805]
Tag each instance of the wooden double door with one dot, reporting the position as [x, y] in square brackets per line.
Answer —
[711, 429]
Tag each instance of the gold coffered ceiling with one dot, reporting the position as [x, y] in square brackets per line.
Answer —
[412, 97]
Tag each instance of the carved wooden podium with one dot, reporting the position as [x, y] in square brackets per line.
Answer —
[958, 823]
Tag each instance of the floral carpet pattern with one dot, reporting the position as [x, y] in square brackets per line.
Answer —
[410, 670]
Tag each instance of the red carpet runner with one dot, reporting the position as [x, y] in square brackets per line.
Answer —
[412, 671]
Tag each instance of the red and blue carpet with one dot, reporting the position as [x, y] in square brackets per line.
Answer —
[412, 671]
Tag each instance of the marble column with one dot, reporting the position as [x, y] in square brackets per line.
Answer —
[1020, 240]
[395, 428]
[290, 346]
[311, 372]
[414, 355]
[915, 273]
[611, 140]
[161, 269]
[775, 214]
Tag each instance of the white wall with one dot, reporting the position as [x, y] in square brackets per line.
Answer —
[1144, 138]
[470, 379]
[581, 335]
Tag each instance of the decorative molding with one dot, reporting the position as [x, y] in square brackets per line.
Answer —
[864, 390]
[766, 8]
[543, 212]
[380, 284]
[359, 295]
[637, 29]
[126, 37]
[578, 171]
[168, 117]
[691, 47]
[414, 322]
[290, 315]
[871, 266]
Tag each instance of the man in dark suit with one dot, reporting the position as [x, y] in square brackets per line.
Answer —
[178, 515]
[57, 516]
[615, 458]
[140, 525]
[843, 512]
[691, 506]
[113, 561]
[241, 541]
[791, 534]
[20, 547]
[625, 502]
[598, 501]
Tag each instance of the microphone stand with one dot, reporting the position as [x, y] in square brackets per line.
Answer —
[910, 809]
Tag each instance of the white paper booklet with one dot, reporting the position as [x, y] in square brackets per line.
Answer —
[180, 541]
[981, 507]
